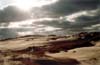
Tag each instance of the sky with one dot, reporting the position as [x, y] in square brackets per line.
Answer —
[46, 16]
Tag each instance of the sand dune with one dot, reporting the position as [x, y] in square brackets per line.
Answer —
[30, 50]
[86, 55]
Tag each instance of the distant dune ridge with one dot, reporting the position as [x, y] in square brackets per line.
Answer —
[79, 49]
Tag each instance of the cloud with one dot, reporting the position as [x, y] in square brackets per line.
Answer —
[79, 21]
[57, 9]
[65, 7]
[68, 16]
[12, 13]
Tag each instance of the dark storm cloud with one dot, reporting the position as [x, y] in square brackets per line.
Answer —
[62, 8]
[82, 21]
[12, 13]
[69, 7]
[65, 7]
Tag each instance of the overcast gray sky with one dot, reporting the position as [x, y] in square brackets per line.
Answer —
[67, 15]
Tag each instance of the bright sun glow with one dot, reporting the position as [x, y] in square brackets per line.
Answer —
[28, 4]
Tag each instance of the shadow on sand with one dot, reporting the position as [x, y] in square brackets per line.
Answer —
[57, 62]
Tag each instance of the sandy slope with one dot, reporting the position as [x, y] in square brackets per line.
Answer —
[86, 55]
[20, 44]
[78, 56]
